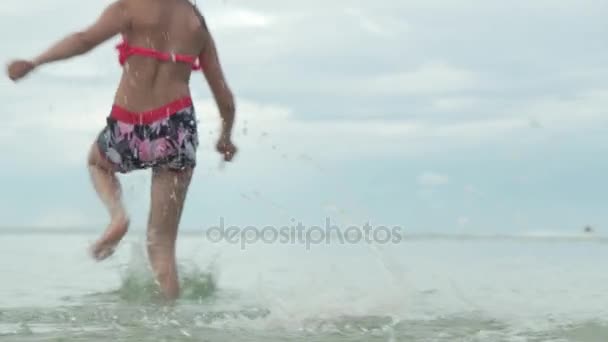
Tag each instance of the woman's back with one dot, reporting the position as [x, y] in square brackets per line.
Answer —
[167, 26]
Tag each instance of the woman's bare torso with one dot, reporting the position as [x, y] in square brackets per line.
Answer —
[170, 26]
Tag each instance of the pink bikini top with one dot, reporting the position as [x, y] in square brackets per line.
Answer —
[125, 51]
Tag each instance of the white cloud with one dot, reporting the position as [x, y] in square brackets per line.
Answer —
[471, 190]
[11, 8]
[238, 19]
[379, 25]
[455, 103]
[434, 77]
[248, 110]
[587, 107]
[432, 179]
[463, 221]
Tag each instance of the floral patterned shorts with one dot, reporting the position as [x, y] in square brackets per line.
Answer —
[160, 138]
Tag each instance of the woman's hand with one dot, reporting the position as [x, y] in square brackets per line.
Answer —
[226, 147]
[19, 69]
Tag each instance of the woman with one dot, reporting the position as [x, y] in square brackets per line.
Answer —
[152, 124]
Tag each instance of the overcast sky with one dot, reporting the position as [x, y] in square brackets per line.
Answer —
[452, 116]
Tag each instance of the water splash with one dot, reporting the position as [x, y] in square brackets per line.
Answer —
[138, 285]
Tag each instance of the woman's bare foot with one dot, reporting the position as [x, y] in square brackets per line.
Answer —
[105, 246]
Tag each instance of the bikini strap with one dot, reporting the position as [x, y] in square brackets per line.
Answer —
[125, 51]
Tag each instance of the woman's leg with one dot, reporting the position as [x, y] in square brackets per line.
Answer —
[169, 189]
[108, 188]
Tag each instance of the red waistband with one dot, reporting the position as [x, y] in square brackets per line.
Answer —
[148, 117]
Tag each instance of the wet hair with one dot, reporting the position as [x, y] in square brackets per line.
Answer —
[200, 16]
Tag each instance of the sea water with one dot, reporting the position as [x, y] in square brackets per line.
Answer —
[425, 288]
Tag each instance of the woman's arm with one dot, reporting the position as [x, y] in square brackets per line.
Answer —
[114, 19]
[219, 87]
[223, 97]
[214, 74]
[212, 69]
